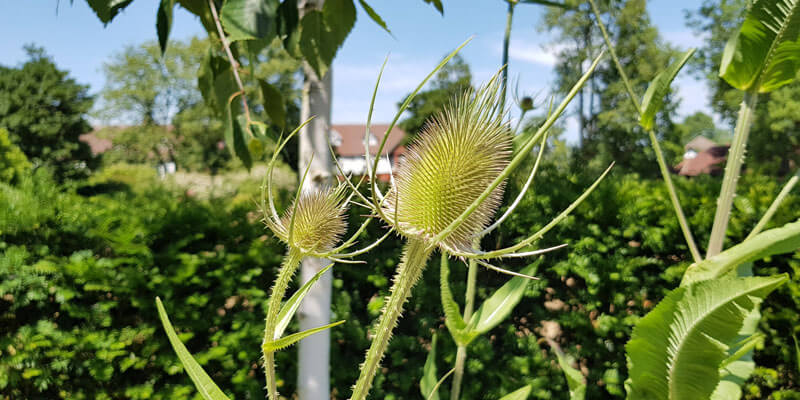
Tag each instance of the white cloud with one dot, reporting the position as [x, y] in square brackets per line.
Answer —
[535, 54]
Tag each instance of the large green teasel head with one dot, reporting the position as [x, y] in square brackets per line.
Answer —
[460, 152]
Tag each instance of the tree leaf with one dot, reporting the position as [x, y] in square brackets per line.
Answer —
[273, 103]
[323, 32]
[437, 4]
[654, 96]
[290, 307]
[249, 19]
[288, 23]
[785, 239]
[374, 15]
[676, 350]
[453, 320]
[241, 138]
[207, 388]
[284, 342]
[548, 3]
[575, 380]
[164, 22]
[519, 394]
[427, 384]
[497, 307]
[764, 54]
[106, 10]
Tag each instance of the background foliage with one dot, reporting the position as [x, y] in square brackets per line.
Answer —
[80, 272]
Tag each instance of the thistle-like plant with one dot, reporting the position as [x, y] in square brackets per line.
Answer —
[445, 193]
[312, 226]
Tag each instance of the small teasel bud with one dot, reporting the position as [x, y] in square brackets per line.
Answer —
[458, 154]
[526, 104]
[319, 221]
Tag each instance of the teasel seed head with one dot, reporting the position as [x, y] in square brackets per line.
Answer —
[319, 221]
[451, 162]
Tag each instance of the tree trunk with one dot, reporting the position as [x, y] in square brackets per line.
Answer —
[313, 381]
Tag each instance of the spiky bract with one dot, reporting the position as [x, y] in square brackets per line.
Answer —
[319, 221]
[456, 156]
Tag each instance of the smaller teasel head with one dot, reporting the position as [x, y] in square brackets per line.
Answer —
[314, 223]
[458, 154]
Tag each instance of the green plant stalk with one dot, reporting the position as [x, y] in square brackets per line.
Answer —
[469, 306]
[415, 256]
[506, 44]
[662, 165]
[289, 267]
[774, 206]
[732, 170]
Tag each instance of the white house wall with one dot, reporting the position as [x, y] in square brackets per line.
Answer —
[356, 166]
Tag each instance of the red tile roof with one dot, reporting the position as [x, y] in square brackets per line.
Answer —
[352, 139]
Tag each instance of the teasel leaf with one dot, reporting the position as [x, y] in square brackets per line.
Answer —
[207, 388]
[499, 305]
[519, 394]
[290, 307]
[453, 320]
[287, 341]
[427, 385]
[654, 96]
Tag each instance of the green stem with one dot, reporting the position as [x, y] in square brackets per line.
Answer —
[662, 165]
[288, 268]
[774, 206]
[732, 170]
[415, 256]
[461, 351]
[506, 44]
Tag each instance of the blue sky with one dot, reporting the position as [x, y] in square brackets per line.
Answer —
[79, 42]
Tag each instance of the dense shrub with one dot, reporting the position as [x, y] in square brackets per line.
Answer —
[13, 162]
[79, 275]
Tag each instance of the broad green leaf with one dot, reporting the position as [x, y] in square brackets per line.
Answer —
[654, 96]
[427, 384]
[164, 22]
[290, 307]
[453, 320]
[519, 394]
[106, 10]
[785, 239]
[249, 19]
[323, 32]
[764, 54]
[207, 388]
[497, 307]
[375, 17]
[273, 103]
[675, 352]
[575, 380]
[284, 342]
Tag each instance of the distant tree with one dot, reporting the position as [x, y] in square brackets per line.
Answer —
[44, 111]
[12, 160]
[451, 80]
[608, 123]
[775, 134]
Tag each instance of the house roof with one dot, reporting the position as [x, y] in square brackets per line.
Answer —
[348, 139]
[700, 143]
[98, 145]
[705, 162]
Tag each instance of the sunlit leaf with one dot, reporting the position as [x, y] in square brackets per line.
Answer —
[290, 307]
[519, 394]
[207, 388]
[764, 54]
[785, 239]
[374, 15]
[453, 320]
[497, 307]
[676, 351]
[106, 10]
[249, 19]
[287, 341]
[323, 32]
[575, 380]
[654, 96]
[427, 384]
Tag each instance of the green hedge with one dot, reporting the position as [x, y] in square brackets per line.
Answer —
[79, 274]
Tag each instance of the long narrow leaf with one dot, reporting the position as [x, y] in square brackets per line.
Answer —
[500, 304]
[452, 313]
[207, 388]
[519, 394]
[654, 96]
[575, 380]
[781, 240]
[287, 341]
[427, 385]
[290, 307]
